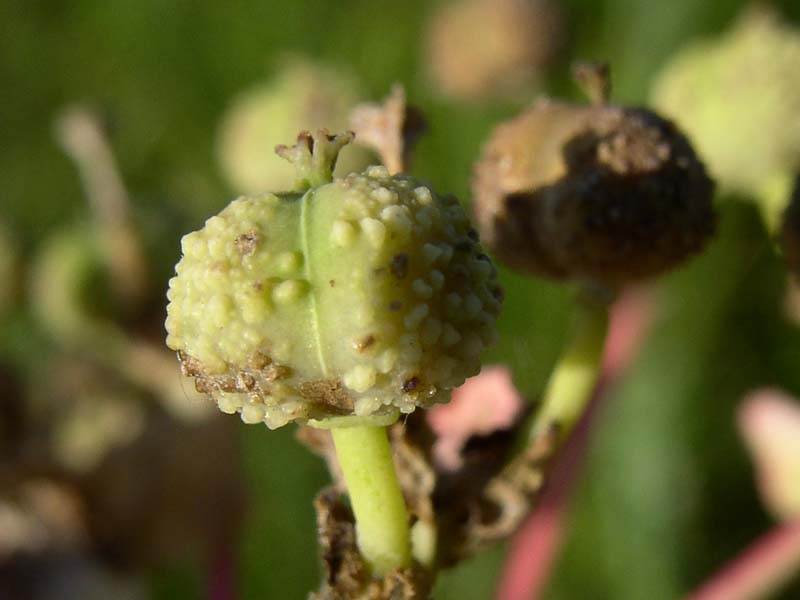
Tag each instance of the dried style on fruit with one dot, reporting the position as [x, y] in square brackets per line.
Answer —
[592, 192]
[391, 128]
[363, 296]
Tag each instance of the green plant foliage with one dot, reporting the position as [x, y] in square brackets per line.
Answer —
[667, 495]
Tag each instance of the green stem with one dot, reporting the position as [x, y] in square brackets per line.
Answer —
[570, 386]
[773, 200]
[381, 517]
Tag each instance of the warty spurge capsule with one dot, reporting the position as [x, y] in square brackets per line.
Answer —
[364, 296]
[593, 192]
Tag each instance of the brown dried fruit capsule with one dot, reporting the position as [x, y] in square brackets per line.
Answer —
[596, 192]
[791, 231]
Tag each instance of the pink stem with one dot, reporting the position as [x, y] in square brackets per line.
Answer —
[535, 547]
[760, 570]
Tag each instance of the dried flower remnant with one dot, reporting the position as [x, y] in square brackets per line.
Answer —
[404, 323]
[791, 232]
[346, 573]
[391, 129]
[595, 192]
[480, 49]
[737, 96]
[301, 96]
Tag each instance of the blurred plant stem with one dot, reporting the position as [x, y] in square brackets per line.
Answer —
[760, 571]
[535, 548]
[772, 202]
[79, 132]
[575, 375]
[365, 457]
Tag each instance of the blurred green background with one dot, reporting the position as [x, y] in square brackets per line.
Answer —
[667, 495]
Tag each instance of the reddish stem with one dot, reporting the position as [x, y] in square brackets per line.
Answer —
[760, 570]
[535, 547]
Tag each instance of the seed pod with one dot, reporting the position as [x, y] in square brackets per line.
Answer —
[598, 192]
[738, 97]
[791, 231]
[367, 295]
[483, 48]
[303, 95]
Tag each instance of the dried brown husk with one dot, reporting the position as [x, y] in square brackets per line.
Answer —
[346, 576]
[479, 504]
[592, 192]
